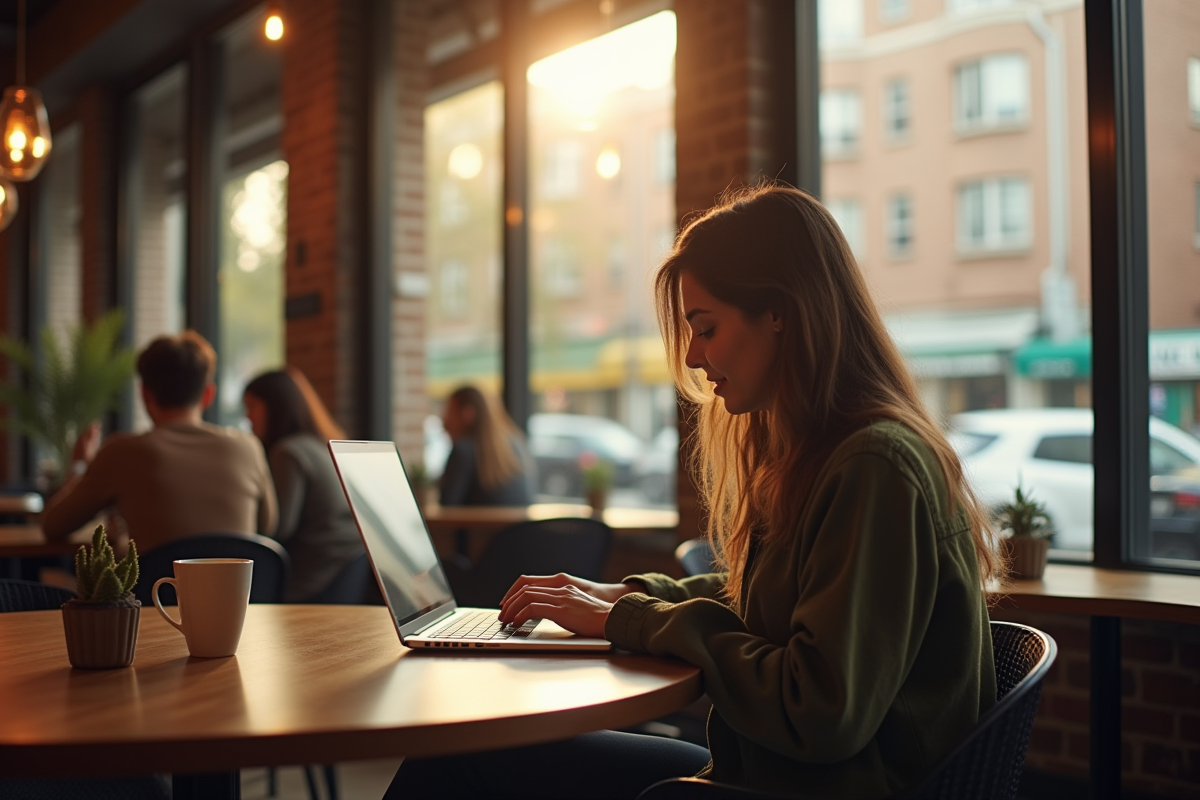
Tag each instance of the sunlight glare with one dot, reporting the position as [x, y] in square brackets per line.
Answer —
[608, 163]
[639, 55]
[466, 161]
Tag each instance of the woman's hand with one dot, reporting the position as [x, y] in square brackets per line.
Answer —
[581, 606]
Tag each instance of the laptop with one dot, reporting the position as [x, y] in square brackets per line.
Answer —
[409, 572]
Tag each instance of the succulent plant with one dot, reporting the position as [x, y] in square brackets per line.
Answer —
[100, 578]
[1025, 517]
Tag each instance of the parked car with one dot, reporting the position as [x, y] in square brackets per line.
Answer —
[654, 472]
[1050, 452]
[558, 442]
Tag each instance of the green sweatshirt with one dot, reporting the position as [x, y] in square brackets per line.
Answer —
[862, 653]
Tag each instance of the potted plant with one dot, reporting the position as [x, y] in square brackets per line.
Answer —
[597, 479]
[66, 386]
[1029, 528]
[101, 623]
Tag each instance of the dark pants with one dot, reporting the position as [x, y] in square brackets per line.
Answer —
[605, 765]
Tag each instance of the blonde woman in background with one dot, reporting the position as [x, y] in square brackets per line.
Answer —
[488, 464]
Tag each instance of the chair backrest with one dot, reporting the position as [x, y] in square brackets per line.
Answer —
[271, 563]
[575, 545]
[16, 595]
[695, 556]
[987, 764]
[349, 586]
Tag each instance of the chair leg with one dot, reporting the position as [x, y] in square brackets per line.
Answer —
[272, 782]
[330, 782]
[311, 780]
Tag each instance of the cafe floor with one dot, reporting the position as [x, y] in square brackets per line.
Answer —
[356, 780]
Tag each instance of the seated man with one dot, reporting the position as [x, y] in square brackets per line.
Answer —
[185, 476]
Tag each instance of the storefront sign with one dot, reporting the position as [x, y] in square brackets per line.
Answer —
[1175, 355]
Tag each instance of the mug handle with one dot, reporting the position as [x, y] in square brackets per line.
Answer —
[158, 602]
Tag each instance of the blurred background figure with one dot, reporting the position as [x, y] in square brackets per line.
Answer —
[315, 524]
[489, 464]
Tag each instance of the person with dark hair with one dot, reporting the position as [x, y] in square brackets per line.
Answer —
[488, 463]
[315, 523]
[844, 643]
[183, 477]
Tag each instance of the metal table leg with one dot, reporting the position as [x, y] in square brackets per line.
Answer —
[1106, 708]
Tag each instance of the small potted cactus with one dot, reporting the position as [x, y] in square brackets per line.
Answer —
[598, 477]
[1029, 527]
[101, 623]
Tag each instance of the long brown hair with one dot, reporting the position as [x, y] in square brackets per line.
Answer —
[777, 249]
[492, 430]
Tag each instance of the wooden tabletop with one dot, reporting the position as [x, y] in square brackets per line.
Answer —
[310, 684]
[1083, 589]
[493, 518]
[23, 541]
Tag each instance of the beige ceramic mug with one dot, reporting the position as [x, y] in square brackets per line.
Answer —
[213, 593]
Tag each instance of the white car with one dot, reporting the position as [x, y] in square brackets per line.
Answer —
[1049, 451]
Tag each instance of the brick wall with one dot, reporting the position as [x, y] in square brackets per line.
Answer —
[323, 73]
[409, 403]
[725, 133]
[1160, 708]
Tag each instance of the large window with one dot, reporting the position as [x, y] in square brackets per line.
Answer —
[253, 215]
[602, 212]
[991, 93]
[157, 212]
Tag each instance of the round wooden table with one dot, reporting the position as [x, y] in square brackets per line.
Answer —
[310, 684]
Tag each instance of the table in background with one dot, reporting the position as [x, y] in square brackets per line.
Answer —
[310, 684]
[644, 538]
[25, 504]
[1107, 595]
[28, 541]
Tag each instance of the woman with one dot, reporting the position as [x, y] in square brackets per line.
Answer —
[315, 524]
[488, 464]
[845, 646]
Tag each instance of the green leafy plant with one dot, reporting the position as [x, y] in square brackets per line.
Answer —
[418, 475]
[68, 385]
[597, 473]
[1025, 517]
[100, 578]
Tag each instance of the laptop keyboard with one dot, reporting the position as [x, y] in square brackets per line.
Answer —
[482, 625]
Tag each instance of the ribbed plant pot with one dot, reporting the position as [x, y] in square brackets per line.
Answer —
[1026, 556]
[100, 637]
[597, 499]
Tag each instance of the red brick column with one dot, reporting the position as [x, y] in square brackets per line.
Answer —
[97, 200]
[323, 135]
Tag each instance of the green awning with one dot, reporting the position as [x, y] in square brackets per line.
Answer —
[1047, 359]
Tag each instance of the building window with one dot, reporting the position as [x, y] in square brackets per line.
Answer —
[1194, 89]
[994, 215]
[841, 123]
[848, 213]
[839, 23]
[563, 277]
[1196, 231]
[561, 176]
[899, 225]
[893, 10]
[991, 93]
[897, 110]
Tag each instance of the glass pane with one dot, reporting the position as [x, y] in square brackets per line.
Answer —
[158, 210]
[602, 190]
[975, 232]
[253, 215]
[1172, 29]
[464, 176]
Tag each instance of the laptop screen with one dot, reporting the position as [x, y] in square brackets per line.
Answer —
[392, 528]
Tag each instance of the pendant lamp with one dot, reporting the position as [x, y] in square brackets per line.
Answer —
[24, 128]
[8, 203]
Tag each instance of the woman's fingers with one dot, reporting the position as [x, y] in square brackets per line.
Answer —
[567, 606]
[560, 579]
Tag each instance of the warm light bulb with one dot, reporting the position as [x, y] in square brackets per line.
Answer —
[16, 155]
[39, 147]
[26, 139]
[274, 27]
[17, 140]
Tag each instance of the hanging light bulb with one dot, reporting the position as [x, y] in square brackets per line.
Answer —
[24, 128]
[8, 203]
[273, 22]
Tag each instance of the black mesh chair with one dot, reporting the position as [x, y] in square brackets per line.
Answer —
[576, 545]
[695, 556]
[271, 564]
[16, 595]
[986, 765]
